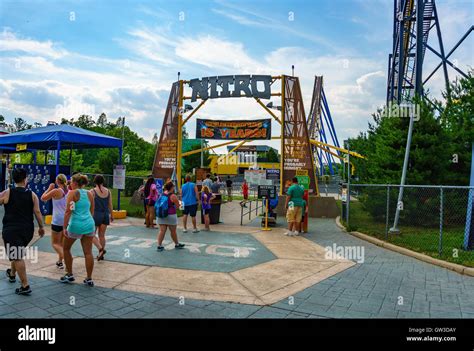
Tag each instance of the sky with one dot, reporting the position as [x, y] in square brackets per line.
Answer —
[67, 58]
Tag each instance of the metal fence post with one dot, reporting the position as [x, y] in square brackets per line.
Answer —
[241, 215]
[441, 203]
[387, 214]
[348, 204]
[348, 185]
[250, 210]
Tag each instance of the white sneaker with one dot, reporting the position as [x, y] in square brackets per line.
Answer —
[185, 230]
[196, 230]
[295, 233]
[288, 233]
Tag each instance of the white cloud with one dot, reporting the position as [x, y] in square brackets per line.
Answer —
[252, 18]
[9, 41]
[138, 87]
[216, 54]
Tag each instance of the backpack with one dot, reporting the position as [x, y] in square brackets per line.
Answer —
[161, 206]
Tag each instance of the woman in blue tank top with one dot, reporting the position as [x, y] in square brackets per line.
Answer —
[79, 224]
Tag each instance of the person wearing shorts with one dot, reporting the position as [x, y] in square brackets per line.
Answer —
[57, 192]
[18, 228]
[294, 205]
[102, 213]
[206, 197]
[303, 216]
[228, 184]
[80, 225]
[170, 221]
[190, 198]
[151, 195]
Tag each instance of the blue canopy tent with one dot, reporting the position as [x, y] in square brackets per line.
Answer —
[57, 137]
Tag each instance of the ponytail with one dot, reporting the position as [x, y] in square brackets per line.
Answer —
[80, 179]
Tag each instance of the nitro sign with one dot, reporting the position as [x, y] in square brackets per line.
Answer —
[257, 86]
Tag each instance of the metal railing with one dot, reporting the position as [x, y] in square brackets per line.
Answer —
[250, 209]
[432, 218]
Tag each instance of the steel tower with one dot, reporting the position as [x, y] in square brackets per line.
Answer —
[413, 21]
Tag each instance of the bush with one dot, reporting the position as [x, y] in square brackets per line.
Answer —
[132, 184]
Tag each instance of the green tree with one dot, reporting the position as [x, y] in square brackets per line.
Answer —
[457, 118]
[20, 124]
[75, 160]
[194, 160]
[384, 147]
[102, 120]
[272, 156]
[85, 122]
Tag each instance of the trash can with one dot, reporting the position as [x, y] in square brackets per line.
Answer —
[215, 212]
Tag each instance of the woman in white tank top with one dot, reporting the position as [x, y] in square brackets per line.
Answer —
[57, 193]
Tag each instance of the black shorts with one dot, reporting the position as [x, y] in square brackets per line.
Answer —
[101, 218]
[57, 228]
[190, 210]
[206, 211]
[149, 202]
[16, 242]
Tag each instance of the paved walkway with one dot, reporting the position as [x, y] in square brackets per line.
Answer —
[385, 285]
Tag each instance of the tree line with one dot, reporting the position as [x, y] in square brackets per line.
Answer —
[440, 152]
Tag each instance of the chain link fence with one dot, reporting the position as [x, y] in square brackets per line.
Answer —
[432, 219]
[131, 183]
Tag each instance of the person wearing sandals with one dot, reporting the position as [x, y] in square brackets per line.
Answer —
[151, 195]
[79, 224]
[103, 211]
[18, 226]
[57, 192]
[206, 197]
[171, 220]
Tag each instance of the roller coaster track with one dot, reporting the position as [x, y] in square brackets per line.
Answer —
[322, 132]
[405, 64]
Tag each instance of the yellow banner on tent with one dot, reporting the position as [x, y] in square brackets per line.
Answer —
[21, 147]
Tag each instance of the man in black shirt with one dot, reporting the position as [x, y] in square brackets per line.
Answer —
[21, 205]
[228, 184]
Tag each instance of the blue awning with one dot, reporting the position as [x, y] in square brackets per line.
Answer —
[47, 138]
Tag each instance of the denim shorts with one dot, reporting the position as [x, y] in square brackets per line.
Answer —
[76, 236]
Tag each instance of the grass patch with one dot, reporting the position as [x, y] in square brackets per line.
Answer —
[420, 239]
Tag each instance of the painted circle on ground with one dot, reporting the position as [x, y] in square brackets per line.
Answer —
[205, 251]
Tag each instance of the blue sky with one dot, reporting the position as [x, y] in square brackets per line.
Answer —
[65, 58]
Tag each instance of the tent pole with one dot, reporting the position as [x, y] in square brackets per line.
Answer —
[118, 190]
[70, 159]
[58, 152]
